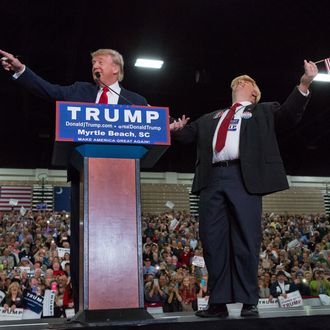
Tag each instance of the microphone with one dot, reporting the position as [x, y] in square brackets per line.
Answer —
[98, 76]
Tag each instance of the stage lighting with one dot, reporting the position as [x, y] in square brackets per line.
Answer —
[148, 63]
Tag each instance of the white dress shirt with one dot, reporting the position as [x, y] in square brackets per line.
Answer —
[112, 97]
[231, 149]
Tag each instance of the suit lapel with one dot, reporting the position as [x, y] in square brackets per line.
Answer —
[249, 108]
[216, 115]
[213, 125]
[122, 96]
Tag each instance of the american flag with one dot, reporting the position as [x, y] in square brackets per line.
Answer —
[15, 197]
[327, 64]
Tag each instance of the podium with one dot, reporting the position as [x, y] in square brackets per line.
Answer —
[106, 214]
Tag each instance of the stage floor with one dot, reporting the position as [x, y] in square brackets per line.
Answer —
[305, 317]
[234, 313]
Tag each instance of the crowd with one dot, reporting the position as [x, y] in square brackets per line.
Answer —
[294, 255]
[34, 257]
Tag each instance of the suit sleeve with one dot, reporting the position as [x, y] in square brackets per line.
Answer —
[289, 114]
[273, 291]
[41, 87]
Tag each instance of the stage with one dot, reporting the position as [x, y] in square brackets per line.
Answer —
[305, 317]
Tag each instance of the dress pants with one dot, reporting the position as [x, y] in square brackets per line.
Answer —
[230, 231]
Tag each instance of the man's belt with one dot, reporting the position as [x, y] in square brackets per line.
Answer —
[226, 163]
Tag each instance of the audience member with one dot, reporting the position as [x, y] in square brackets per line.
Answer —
[14, 297]
[302, 284]
[319, 285]
[282, 286]
[187, 292]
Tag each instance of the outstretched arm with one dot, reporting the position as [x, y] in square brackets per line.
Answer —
[10, 63]
[291, 111]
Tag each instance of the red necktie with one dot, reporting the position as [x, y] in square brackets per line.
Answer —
[223, 129]
[104, 97]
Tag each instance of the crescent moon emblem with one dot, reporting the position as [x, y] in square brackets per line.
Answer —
[59, 191]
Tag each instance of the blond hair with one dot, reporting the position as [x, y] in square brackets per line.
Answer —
[245, 77]
[116, 58]
[12, 285]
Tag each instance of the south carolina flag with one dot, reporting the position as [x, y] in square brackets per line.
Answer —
[327, 64]
[62, 199]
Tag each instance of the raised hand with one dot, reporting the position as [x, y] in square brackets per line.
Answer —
[179, 124]
[10, 63]
[310, 73]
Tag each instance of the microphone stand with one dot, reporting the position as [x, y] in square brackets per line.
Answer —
[98, 75]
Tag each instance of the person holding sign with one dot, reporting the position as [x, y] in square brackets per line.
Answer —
[14, 297]
[238, 162]
[281, 287]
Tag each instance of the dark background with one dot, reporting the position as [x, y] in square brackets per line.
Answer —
[204, 45]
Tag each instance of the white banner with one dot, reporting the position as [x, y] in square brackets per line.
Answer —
[202, 303]
[13, 202]
[266, 303]
[24, 269]
[9, 315]
[170, 205]
[22, 211]
[198, 261]
[61, 251]
[155, 310]
[293, 244]
[293, 299]
[49, 300]
[325, 299]
[69, 313]
[174, 223]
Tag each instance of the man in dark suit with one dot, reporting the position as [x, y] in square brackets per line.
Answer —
[107, 63]
[107, 70]
[231, 177]
[281, 286]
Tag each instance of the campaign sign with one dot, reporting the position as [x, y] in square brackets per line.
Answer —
[49, 302]
[111, 123]
[266, 303]
[62, 251]
[33, 302]
[202, 303]
[11, 315]
[293, 299]
[198, 261]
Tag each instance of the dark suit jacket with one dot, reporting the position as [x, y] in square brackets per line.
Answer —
[275, 289]
[260, 160]
[77, 92]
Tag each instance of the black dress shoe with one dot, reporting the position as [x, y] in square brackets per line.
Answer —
[214, 310]
[249, 310]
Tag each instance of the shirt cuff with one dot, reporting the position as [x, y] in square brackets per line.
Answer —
[18, 74]
[303, 93]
